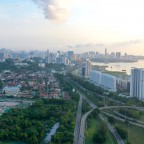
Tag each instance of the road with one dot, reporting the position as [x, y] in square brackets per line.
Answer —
[92, 105]
[113, 130]
[83, 120]
[115, 133]
[82, 128]
[114, 107]
[122, 104]
[110, 127]
[128, 118]
[98, 95]
[123, 120]
[78, 121]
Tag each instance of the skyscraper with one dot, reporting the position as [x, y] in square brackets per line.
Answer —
[70, 54]
[105, 52]
[118, 55]
[83, 71]
[88, 68]
[103, 80]
[137, 83]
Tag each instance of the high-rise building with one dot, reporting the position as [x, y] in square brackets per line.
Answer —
[83, 71]
[103, 80]
[88, 68]
[118, 55]
[137, 83]
[61, 59]
[105, 51]
[70, 54]
[95, 77]
[108, 82]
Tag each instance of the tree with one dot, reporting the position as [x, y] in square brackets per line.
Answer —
[121, 132]
[100, 135]
[1, 84]
[111, 120]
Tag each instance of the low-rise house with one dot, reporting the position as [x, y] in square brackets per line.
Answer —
[11, 91]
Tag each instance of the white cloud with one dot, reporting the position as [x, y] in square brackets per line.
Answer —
[53, 10]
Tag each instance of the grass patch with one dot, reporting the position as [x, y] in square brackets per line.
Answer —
[135, 135]
[91, 129]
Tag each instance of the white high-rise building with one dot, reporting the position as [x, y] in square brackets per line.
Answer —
[106, 81]
[88, 68]
[95, 77]
[137, 83]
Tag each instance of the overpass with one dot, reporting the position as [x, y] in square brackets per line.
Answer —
[130, 107]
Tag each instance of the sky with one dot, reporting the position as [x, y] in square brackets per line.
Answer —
[78, 25]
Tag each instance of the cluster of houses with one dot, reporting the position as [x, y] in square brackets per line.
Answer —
[30, 84]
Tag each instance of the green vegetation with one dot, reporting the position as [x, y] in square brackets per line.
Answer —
[100, 135]
[31, 124]
[122, 132]
[93, 89]
[87, 85]
[56, 67]
[85, 107]
[131, 113]
[111, 120]
[32, 66]
[13, 142]
[1, 84]
[134, 133]
[99, 101]
[94, 128]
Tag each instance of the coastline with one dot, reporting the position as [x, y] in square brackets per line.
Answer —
[106, 60]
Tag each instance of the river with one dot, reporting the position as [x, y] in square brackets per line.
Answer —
[121, 66]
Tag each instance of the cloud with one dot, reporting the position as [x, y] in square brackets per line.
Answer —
[93, 46]
[53, 10]
[86, 45]
[124, 43]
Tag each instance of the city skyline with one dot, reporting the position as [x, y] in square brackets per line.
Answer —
[74, 25]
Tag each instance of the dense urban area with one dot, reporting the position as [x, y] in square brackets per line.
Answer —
[65, 98]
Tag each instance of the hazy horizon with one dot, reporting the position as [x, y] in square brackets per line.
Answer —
[77, 25]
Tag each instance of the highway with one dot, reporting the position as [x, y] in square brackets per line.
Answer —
[110, 127]
[98, 95]
[78, 121]
[128, 118]
[113, 130]
[115, 133]
[92, 105]
[123, 120]
[113, 107]
[82, 128]
[83, 120]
